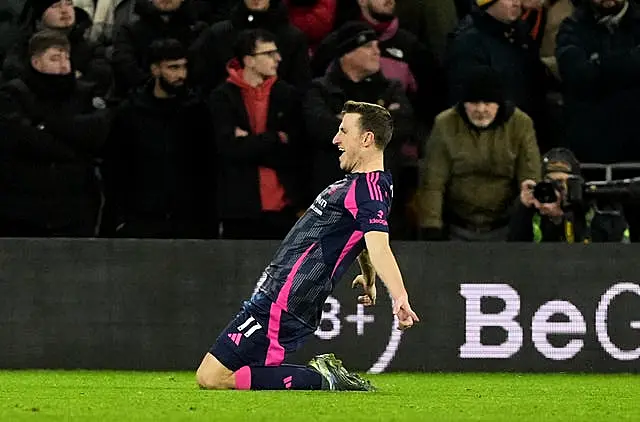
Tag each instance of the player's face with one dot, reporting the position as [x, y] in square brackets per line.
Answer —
[349, 140]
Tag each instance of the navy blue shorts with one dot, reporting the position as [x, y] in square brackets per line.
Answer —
[261, 334]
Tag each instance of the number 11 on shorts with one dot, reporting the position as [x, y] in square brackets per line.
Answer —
[251, 329]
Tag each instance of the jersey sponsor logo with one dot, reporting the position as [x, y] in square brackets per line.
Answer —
[379, 220]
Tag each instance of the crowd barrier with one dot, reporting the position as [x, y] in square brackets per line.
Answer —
[158, 305]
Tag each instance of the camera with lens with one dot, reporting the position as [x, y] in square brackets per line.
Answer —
[575, 191]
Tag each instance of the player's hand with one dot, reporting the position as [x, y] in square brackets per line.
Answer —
[402, 309]
[369, 287]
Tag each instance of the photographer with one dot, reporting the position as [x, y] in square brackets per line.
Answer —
[546, 211]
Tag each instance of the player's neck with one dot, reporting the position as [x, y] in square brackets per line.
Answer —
[374, 163]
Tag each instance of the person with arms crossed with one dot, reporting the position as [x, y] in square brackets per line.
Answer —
[348, 220]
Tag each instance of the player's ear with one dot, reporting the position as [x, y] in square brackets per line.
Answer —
[367, 139]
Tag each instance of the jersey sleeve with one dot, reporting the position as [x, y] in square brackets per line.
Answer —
[373, 198]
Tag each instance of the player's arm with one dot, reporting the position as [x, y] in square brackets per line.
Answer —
[385, 265]
[366, 267]
[367, 279]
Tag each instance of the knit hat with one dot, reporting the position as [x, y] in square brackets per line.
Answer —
[483, 84]
[484, 4]
[352, 35]
[560, 160]
[39, 6]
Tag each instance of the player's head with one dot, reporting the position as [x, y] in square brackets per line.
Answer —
[363, 134]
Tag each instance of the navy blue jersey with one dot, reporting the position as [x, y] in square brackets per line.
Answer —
[324, 243]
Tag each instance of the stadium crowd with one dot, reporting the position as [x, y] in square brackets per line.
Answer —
[215, 118]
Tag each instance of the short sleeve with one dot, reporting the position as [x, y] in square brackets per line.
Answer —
[373, 198]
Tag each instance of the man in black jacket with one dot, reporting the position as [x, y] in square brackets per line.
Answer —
[258, 126]
[157, 167]
[402, 58]
[159, 19]
[52, 129]
[493, 35]
[213, 50]
[355, 75]
[598, 54]
[88, 60]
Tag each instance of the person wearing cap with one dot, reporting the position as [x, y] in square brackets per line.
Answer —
[356, 76]
[87, 58]
[477, 155]
[494, 35]
[157, 155]
[403, 57]
[538, 219]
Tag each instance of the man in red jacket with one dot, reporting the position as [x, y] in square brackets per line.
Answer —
[257, 120]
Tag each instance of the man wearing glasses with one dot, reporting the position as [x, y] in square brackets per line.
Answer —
[258, 124]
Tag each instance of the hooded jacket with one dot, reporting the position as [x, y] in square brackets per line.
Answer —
[213, 50]
[247, 165]
[474, 175]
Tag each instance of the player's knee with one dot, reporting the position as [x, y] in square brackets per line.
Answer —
[210, 380]
[212, 375]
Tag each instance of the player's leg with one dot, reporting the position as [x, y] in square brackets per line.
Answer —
[247, 355]
[214, 375]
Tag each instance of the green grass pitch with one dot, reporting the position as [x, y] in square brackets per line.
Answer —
[173, 396]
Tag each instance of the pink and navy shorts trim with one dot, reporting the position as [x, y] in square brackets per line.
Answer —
[259, 336]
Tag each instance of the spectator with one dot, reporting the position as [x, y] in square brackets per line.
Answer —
[9, 30]
[214, 48]
[158, 19]
[88, 59]
[493, 35]
[542, 217]
[258, 136]
[212, 11]
[356, 76]
[479, 151]
[106, 16]
[156, 162]
[52, 127]
[430, 21]
[598, 52]
[315, 18]
[403, 57]
[543, 18]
